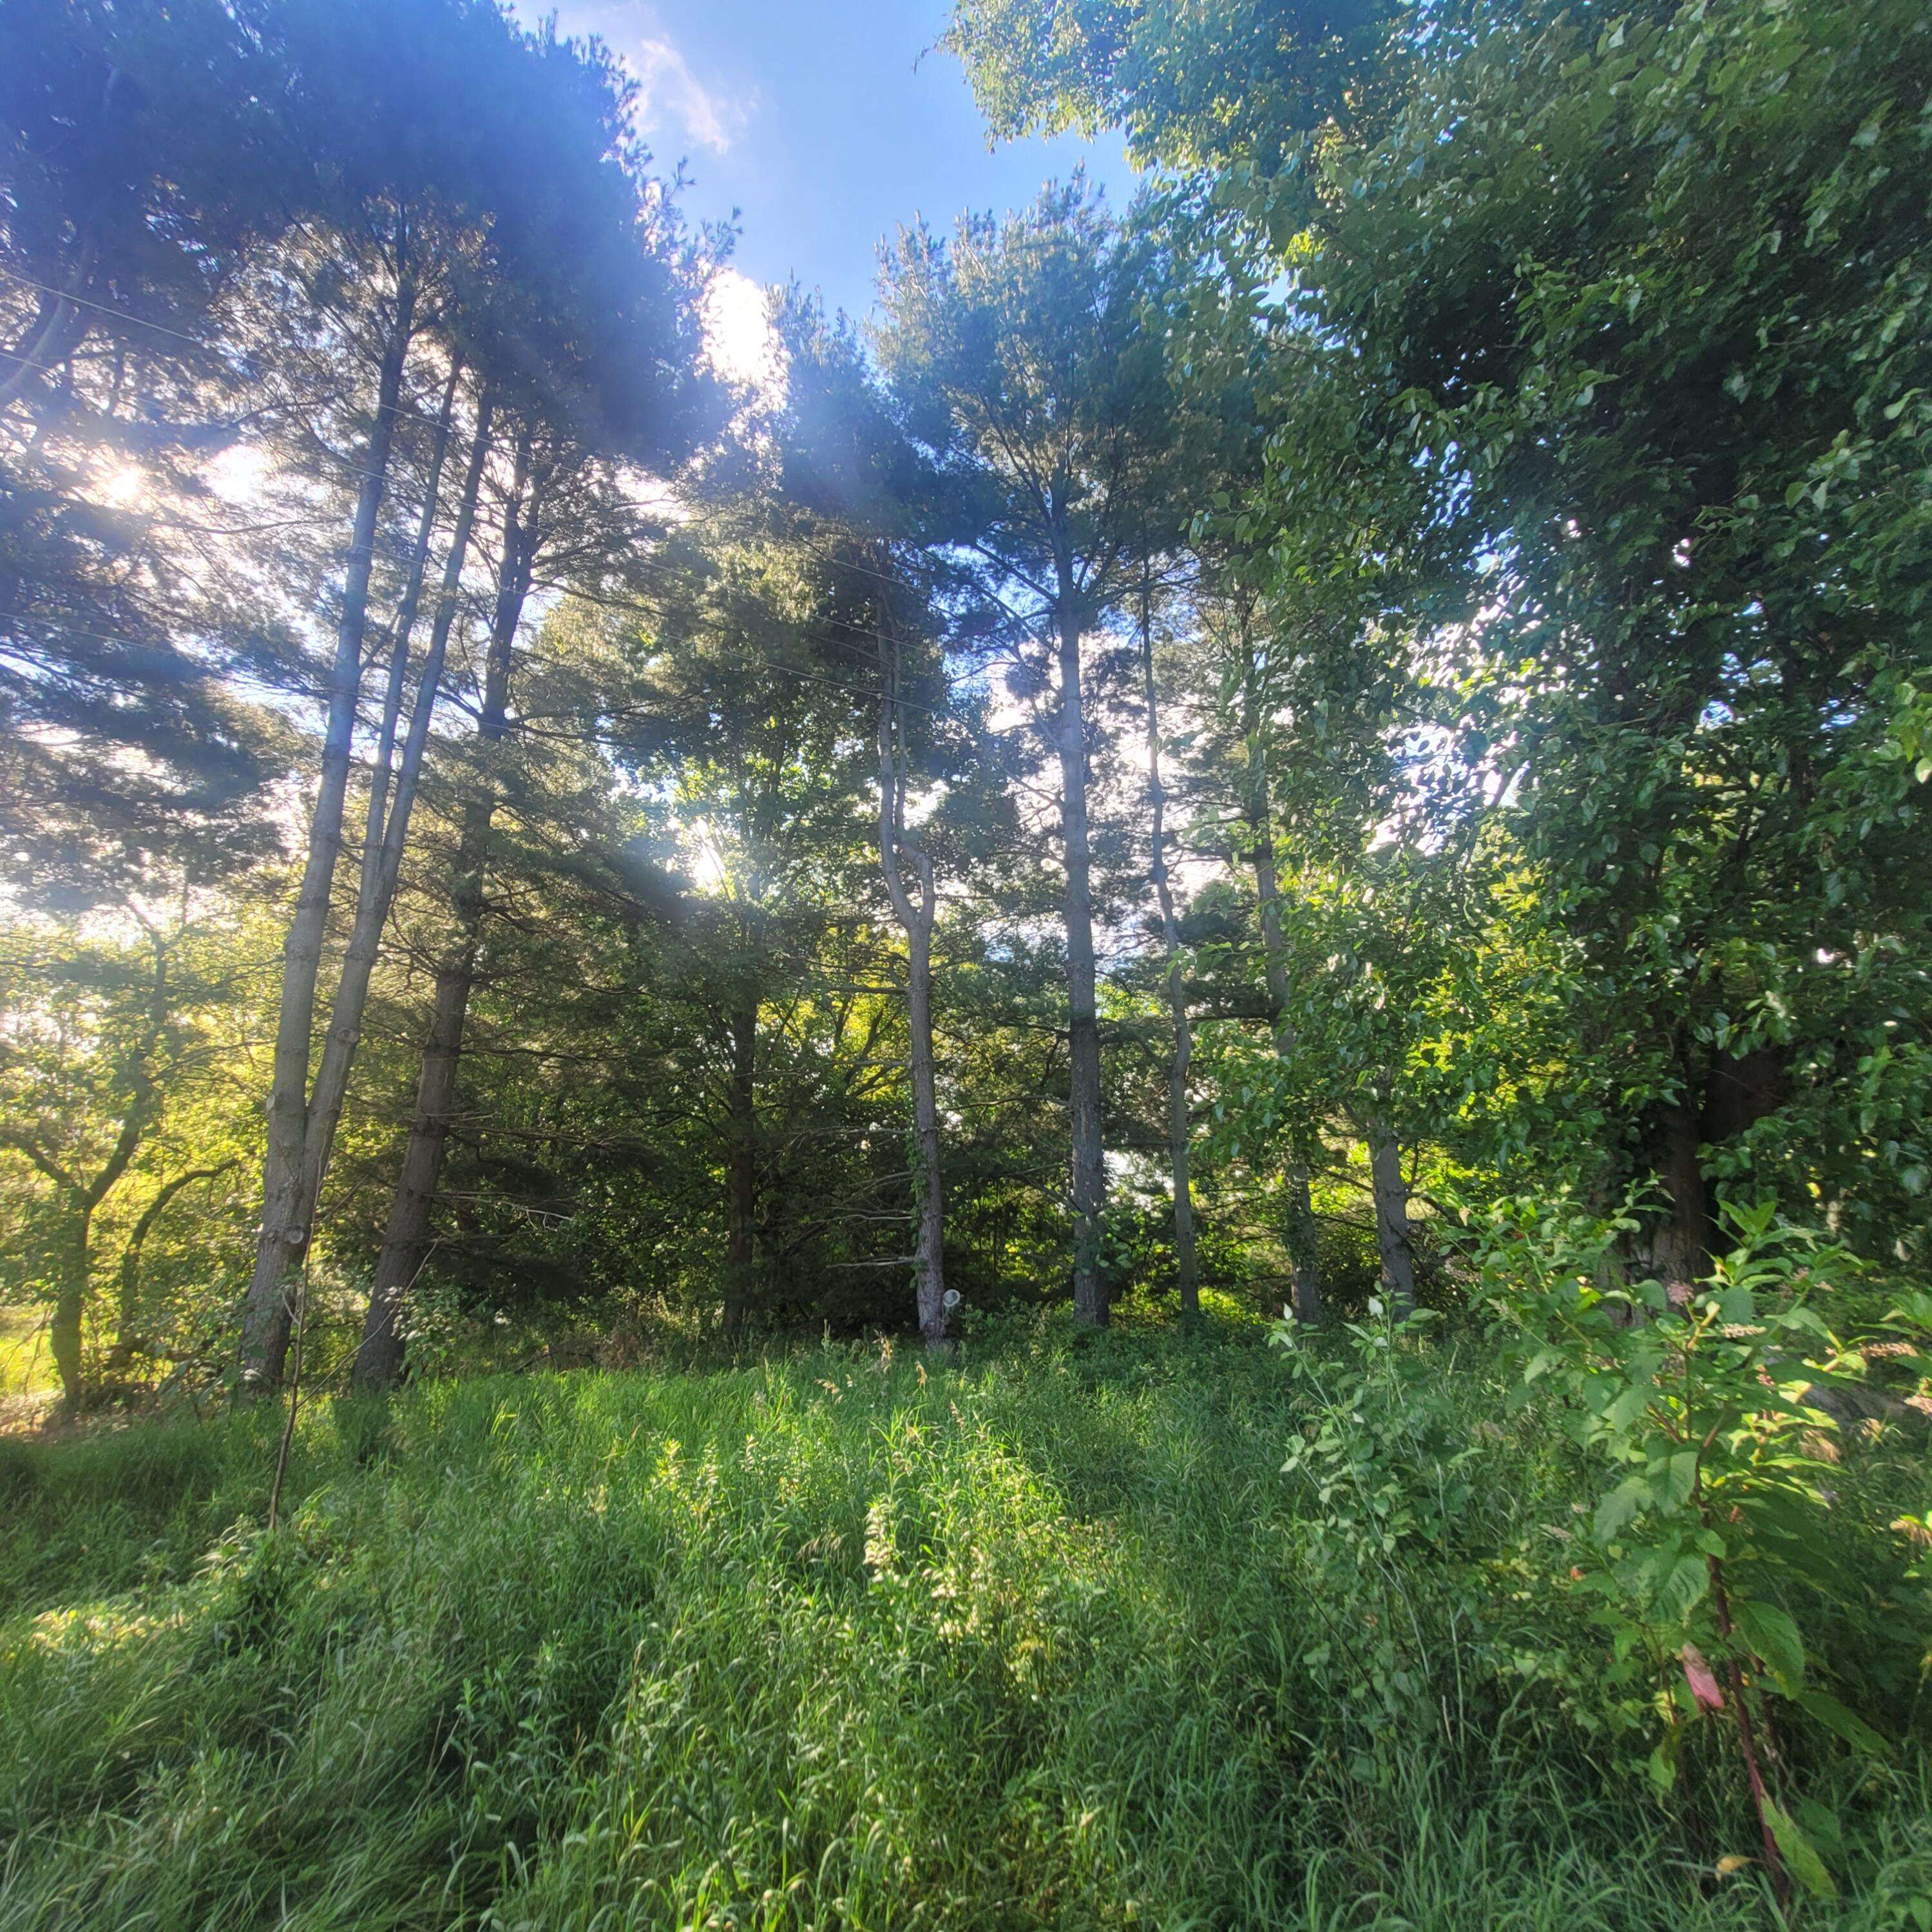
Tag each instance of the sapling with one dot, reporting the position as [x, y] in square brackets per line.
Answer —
[1701, 1402]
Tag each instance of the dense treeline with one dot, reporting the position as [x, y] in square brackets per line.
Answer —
[1388, 677]
[1352, 737]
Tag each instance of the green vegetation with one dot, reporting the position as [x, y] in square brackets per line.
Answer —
[843, 1641]
[1354, 736]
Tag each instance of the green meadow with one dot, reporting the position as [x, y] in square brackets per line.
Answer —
[842, 1640]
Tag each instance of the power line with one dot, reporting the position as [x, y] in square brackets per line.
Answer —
[119, 315]
[193, 341]
[22, 362]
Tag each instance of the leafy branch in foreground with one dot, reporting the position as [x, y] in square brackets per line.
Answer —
[1708, 1409]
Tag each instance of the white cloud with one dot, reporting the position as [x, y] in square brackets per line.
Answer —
[669, 92]
[675, 111]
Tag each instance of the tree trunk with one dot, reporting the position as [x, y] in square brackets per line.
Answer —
[285, 1230]
[916, 918]
[929, 1269]
[1392, 1229]
[1303, 1240]
[401, 630]
[1303, 1243]
[385, 839]
[1681, 1242]
[72, 1265]
[1677, 1243]
[406, 1244]
[741, 1175]
[1179, 1114]
[1088, 1160]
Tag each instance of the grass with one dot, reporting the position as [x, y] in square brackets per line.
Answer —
[29, 1389]
[26, 1363]
[827, 1642]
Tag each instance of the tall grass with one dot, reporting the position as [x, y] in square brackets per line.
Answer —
[831, 1642]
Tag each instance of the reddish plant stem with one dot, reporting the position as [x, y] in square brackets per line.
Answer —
[1721, 1602]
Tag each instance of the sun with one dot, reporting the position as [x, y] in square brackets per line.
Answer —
[125, 487]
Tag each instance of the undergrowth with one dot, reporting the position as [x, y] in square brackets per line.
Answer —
[1048, 1638]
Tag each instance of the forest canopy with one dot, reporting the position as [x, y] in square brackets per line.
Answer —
[1349, 740]
[1210, 742]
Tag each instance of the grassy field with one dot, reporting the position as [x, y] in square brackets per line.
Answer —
[28, 1387]
[830, 1641]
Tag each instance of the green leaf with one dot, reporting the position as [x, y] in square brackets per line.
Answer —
[1800, 1854]
[1836, 1718]
[1628, 1407]
[1623, 1503]
[1771, 1633]
[1821, 1825]
[1662, 1765]
[1683, 1588]
[1674, 1479]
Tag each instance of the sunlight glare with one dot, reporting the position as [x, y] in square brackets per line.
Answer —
[739, 342]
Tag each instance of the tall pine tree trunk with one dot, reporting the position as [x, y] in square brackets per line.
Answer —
[916, 918]
[406, 1242]
[401, 630]
[285, 1219]
[385, 837]
[1088, 1159]
[929, 1266]
[741, 1174]
[1302, 1239]
[1179, 1115]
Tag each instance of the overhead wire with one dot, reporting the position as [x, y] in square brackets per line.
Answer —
[160, 328]
[119, 315]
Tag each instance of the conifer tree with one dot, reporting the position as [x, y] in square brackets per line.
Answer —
[490, 190]
[1020, 355]
[138, 163]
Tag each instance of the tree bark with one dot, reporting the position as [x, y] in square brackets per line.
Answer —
[385, 837]
[1300, 1235]
[285, 1230]
[741, 1174]
[400, 632]
[916, 918]
[1681, 1241]
[1392, 1228]
[72, 1265]
[929, 1266]
[1179, 1114]
[406, 1242]
[1088, 1159]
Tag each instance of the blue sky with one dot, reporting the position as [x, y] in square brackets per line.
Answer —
[819, 121]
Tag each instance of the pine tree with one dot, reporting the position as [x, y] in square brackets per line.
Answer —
[1020, 360]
